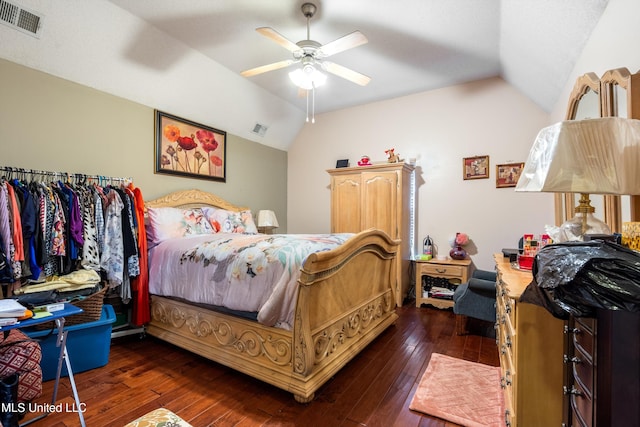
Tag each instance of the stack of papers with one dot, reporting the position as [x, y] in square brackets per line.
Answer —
[11, 311]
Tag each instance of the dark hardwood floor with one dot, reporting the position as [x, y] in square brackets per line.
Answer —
[374, 389]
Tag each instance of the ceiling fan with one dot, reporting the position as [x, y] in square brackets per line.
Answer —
[311, 55]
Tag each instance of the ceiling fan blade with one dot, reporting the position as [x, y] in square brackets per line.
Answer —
[349, 41]
[272, 34]
[346, 73]
[268, 67]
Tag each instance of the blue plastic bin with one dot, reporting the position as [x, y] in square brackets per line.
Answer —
[88, 345]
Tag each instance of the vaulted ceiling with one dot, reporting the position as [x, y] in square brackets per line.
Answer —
[413, 45]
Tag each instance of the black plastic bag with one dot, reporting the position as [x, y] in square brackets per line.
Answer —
[579, 277]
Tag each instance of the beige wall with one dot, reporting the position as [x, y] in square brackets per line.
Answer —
[51, 124]
[438, 128]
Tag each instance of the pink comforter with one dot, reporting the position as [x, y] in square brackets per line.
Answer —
[247, 272]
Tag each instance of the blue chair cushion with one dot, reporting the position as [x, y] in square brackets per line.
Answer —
[477, 297]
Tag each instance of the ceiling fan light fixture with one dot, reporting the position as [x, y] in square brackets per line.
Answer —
[308, 77]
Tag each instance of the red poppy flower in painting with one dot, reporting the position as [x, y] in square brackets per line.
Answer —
[207, 140]
[171, 132]
[216, 160]
[186, 143]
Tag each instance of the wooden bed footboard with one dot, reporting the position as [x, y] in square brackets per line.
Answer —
[345, 300]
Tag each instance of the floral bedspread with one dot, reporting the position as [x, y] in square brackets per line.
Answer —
[247, 272]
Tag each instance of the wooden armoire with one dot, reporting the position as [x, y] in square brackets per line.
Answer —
[379, 196]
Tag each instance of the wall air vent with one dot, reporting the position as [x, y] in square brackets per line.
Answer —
[21, 19]
[260, 129]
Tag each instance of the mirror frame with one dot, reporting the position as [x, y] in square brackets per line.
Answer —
[565, 202]
[622, 78]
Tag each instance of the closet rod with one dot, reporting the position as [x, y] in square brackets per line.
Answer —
[76, 176]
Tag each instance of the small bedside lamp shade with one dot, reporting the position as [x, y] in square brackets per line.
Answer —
[267, 221]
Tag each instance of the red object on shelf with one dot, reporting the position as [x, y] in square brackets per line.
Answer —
[525, 262]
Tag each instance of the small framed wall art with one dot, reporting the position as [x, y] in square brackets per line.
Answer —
[189, 149]
[475, 167]
[507, 175]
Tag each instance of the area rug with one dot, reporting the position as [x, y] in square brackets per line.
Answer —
[460, 391]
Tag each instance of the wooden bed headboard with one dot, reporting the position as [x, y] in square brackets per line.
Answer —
[192, 199]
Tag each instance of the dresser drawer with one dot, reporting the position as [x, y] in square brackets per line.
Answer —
[584, 341]
[510, 312]
[586, 323]
[506, 339]
[507, 378]
[583, 371]
[581, 405]
[509, 417]
[576, 421]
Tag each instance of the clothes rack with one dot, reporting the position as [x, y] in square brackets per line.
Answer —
[26, 174]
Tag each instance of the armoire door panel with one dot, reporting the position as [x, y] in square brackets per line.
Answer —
[346, 212]
[379, 210]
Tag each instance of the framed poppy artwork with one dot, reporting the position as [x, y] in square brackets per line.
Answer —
[189, 149]
[475, 167]
[507, 175]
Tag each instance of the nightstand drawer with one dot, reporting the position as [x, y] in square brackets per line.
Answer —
[442, 270]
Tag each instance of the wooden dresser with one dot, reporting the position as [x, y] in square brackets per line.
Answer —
[377, 196]
[530, 341]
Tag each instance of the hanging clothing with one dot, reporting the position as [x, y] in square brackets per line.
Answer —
[17, 254]
[5, 228]
[90, 251]
[47, 217]
[141, 314]
[112, 258]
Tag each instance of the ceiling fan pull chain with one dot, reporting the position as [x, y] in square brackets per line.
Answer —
[313, 103]
[307, 107]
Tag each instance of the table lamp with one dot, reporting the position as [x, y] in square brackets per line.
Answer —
[267, 221]
[595, 156]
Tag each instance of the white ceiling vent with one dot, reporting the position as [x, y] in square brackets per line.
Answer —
[260, 129]
[21, 19]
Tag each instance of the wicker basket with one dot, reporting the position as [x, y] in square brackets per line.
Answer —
[91, 311]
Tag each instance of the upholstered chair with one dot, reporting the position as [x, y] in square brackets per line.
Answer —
[476, 299]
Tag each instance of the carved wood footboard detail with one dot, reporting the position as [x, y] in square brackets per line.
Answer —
[232, 335]
[329, 340]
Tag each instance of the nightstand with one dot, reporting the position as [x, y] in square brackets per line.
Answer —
[450, 272]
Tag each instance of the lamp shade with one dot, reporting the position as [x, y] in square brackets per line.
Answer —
[596, 156]
[268, 219]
